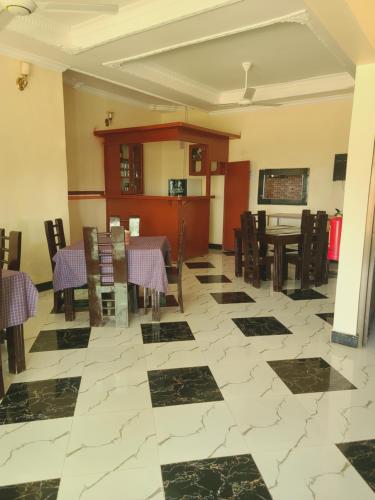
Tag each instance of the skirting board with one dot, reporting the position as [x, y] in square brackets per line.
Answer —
[344, 339]
[215, 246]
[42, 287]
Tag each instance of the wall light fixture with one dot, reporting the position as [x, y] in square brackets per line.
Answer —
[23, 80]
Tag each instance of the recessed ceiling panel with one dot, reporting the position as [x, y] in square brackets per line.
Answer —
[279, 53]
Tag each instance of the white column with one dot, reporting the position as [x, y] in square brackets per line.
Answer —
[360, 153]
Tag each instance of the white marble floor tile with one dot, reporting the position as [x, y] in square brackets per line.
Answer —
[113, 337]
[132, 484]
[311, 473]
[274, 422]
[164, 355]
[196, 431]
[53, 364]
[33, 451]
[110, 442]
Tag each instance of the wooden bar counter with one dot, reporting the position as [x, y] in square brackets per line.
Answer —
[162, 215]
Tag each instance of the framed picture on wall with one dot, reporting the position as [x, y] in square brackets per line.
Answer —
[283, 186]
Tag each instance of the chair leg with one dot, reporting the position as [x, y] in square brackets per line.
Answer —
[16, 349]
[2, 390]
[180, 299]
[256, 277]
[155, 305]
[145, 300]
[58, 302]
[69, 304]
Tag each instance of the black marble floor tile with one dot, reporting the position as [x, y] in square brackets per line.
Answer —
[262, 325]
[165, 301]
[213, 278]
[361, 454]
[327, 317]
[181, 386]
[37, 490]
[310, 375]
[298, 294]
[41, 400]
[166, 332]
[199, 265]
[232, 298]
[235, 477]
[66, 338]
[79, 305]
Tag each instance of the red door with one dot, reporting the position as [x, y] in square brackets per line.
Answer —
[236, 198]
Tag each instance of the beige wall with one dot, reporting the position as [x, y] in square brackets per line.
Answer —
[361, 147]
[84, 112]
[32, 161]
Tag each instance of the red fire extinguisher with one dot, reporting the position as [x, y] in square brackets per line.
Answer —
[335, 236]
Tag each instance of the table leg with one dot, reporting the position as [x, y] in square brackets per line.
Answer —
[69, 304]
[238, 254]
[58, 302]
[155, 299]
[278, 267]
[16, 349]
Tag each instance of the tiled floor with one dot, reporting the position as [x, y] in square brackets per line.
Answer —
[241, 397]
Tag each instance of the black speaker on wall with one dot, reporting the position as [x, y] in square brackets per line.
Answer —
[339, 169]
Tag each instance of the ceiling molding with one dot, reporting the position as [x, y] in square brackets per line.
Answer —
[136, 18]
[172, 80]
[317, 85]
[135, 89]
[41, 61]
[299, 17]
[83, 87]
[299, 102]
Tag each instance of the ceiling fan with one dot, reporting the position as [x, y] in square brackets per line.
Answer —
[26, 7]
[249, 92]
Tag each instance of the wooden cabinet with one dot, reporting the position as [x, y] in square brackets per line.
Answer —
[123, 166]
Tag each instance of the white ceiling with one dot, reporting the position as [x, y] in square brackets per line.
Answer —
[157, 52]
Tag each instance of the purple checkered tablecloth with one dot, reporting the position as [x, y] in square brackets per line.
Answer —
[19, 299]
[147, 256]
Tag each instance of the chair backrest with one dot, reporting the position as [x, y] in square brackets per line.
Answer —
[55, 237]
[132, 224]
[181, 247]
[107, 274]
[10, 250]
[250, 236]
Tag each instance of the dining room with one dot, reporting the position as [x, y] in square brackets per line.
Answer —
[186, 250]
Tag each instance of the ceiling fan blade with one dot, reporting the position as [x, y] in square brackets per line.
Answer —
[249, 93]
[80, 7]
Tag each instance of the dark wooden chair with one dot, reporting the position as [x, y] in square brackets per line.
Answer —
[10, 250]
[107, 275]
[256, 262]
[310, 257]
[132, 224]
[174, 272]
[1, 367]
[55, 241]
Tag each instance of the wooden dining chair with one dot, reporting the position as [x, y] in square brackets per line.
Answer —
[107, 275]
[174, 272]
[256, 263]
[132, 224]
[2, 391]
[309, 259]
[10, 250]
[55, 240]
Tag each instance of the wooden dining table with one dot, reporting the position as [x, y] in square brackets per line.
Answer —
[146, 256]
[19, 299]
[279, 237]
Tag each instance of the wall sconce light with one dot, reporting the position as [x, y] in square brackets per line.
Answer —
[22, 80]
[109, 118]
